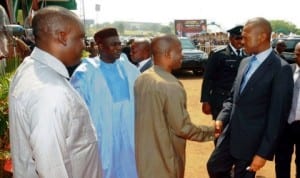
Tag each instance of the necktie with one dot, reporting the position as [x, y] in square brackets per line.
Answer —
[238, 52]
[252, 65]
[292, 116]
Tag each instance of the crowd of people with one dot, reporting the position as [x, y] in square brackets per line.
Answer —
[208, 41]
[118, 115]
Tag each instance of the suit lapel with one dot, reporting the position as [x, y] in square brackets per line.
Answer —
[240, 74]
[260, 71]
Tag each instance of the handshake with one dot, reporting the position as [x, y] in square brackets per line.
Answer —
[218, 128]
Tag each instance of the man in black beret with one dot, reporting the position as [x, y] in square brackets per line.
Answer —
[106, 84]
[220, 73]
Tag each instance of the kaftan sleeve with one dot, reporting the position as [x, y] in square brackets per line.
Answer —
[179, 119]
[80, 81]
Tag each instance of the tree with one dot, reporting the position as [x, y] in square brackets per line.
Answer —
[281, 26]
[172, 27]
[166, 30]
[120, 27]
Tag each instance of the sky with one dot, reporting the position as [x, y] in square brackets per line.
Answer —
[226, 13]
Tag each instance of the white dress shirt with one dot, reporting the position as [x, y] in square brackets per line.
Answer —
[235, 50]
[51, 132]
[296, 105]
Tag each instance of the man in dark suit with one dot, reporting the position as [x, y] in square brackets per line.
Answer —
[256, 110]
[220, 73]
[290, 136]
[140, 53]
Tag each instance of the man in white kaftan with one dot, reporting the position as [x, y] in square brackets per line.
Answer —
[106, 84]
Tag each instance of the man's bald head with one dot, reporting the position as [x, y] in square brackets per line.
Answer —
[262, 25]
[140, 50]
[145, 43]
[280, 46]
[256, 35]
[167, 52]
[163, 44]
[49, 21]
[59, 32]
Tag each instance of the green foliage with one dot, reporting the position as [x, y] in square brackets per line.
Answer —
[6, 71]
[281, 26]
[166, 30]
[20, 17]
[4, 87]
[12, 64]
[120, 27]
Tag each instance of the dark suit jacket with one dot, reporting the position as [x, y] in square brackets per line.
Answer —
[256, 115]
[147, 65]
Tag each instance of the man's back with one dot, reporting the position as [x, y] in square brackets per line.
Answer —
[162, 125]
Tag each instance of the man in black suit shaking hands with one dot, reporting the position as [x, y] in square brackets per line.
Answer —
[256, 109]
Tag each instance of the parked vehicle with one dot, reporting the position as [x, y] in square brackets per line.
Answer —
[193, 58]
[290, 42]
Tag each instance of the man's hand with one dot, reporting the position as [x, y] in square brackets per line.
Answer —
[257, 163]
[218, 128]
[206, 109]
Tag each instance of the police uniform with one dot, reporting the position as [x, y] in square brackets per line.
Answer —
[220, 72]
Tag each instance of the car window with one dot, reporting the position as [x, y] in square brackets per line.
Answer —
[274, 41]
[187, 44]
[290, 44]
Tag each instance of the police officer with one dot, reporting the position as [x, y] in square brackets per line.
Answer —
[220, 73]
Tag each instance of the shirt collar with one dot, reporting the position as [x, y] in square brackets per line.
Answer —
[121, 58]
[49, 60]
[263, 55]
[143, 62]
[234, 49]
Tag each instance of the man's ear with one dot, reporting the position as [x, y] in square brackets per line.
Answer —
[167, 53]
[62, 37]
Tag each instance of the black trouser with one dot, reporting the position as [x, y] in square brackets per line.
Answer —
[221, 162]
[283, 156]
